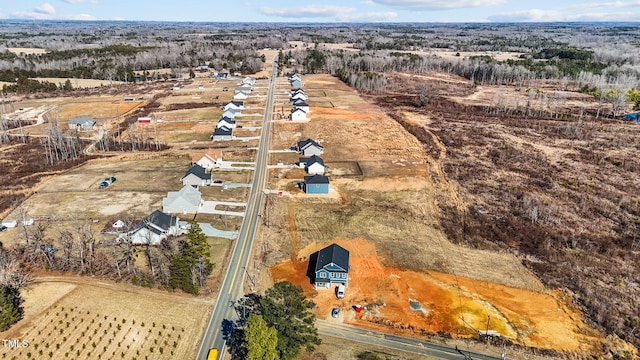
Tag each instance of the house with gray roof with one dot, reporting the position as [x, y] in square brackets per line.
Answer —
[196, 176]
[332, 267]
[153, 229]
[313, 165]
[309, 147]
[82, 123]
[186, 201]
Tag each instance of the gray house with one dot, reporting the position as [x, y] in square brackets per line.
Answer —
[82, 123]
[309, 147]
[196, 176]
[332, 267]
[186, 201]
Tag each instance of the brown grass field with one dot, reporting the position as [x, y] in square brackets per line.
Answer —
[78, 317]
[396, 205]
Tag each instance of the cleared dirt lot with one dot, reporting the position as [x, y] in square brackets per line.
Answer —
[450, 303]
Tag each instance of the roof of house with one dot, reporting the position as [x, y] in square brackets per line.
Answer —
[315, 159]
[237, 103]
[316, 179]
[300, 103]
[188, 194]
[210, 153]
[297, 91]
[231, 112]
[308, 142]
[198, 171]
[296, 109]
[157, 221]
[82, 121]
[228, 120]
[222, 130]
[333, 254]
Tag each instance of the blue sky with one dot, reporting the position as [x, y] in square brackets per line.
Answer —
[324, 10]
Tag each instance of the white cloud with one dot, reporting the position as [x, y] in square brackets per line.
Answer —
[308, 11]
[80, 1]
[46, 9]
[607, 5]
[536, 15]
[532, 15]
[618, 16]
[335, 13]
[42, 16]
[437, 4]
[368, 17]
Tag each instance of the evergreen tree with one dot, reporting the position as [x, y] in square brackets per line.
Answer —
[285, 308]
[261, 339]
[10, 306]
[190, 267]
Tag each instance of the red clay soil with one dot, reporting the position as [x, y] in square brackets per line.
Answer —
[450, 304]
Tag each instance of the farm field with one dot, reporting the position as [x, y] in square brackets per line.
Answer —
[68, 317]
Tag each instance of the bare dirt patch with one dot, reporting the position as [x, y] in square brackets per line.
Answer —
[452, 304]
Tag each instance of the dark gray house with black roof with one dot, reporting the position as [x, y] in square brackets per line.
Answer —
[332, 267]
[222, 133]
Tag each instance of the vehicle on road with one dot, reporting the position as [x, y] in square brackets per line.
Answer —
[103, 184]
[334, 312]
[3, 228]
[213, 354]
[340, 291]
[218, 181]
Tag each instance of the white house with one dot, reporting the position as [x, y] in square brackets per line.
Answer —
[82, 123]
[249, 81]
[153, 229]
[298, 114]
[309, 147]
[234, 105]
[313, 165]
[300, 104]
[300, 95]
[240, 95]
[208, 160]
[186, 201]
[226, 121]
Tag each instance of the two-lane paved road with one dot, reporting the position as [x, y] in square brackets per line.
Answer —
[232, 285]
